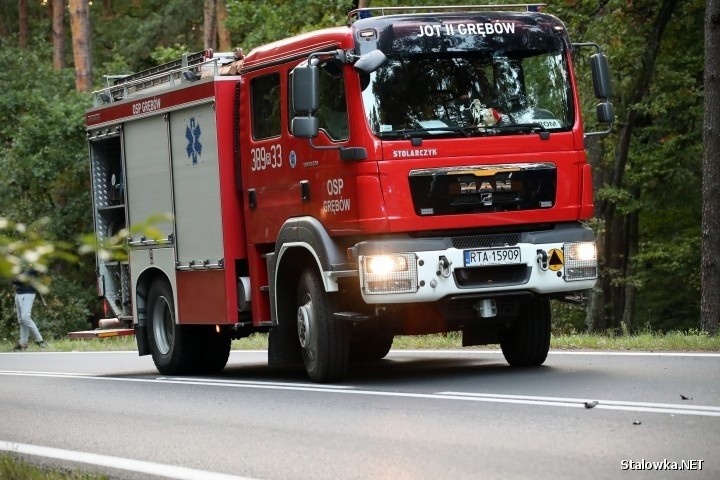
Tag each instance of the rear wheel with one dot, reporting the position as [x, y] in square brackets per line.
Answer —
[323, 342]
[527, 343]
[213, 349]
[170, 345]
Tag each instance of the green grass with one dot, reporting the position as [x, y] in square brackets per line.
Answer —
[13, 468]
[689, 341]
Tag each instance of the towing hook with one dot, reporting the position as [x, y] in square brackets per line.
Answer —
[542, 260]
[444, 266]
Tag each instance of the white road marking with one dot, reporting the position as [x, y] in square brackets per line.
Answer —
[676, 409]
[127, 464]
[564, 352]
[673, 408]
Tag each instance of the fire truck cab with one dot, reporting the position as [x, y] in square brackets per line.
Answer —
[410, 173]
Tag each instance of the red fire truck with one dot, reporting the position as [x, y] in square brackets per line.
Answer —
[413, 172]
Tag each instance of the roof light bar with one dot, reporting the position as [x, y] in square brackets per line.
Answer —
[381, 11]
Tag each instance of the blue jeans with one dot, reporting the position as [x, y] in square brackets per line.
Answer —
[23, 307]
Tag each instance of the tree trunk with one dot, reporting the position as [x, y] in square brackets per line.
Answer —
[80, 28]
[616, 241]
[107, 9]
[632, 230]
[57, 8]
[710, 237]
[210, 24]
[595, 317]
[224, 40]
[23, 23]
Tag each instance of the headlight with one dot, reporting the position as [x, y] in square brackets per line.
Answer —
[392, 273]
[384, 264]
[580, 261]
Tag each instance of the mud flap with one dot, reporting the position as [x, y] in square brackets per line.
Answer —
[284, 346]
[142, 340]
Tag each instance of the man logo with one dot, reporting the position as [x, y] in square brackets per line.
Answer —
[468, 187]
[471, 187]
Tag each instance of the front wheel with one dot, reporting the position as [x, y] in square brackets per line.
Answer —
[323, 342]
[527, 343]
[370, 345]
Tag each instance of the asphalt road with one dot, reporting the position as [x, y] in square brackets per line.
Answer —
[415, 415]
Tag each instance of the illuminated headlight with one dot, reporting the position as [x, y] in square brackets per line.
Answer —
[580, 261]
[393, 273]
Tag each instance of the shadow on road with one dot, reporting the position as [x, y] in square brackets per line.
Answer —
[407, 370]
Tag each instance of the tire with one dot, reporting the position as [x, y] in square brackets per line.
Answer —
[170, 345]
[323, 342]
[527, 343]
[370, 346]
[214, 351]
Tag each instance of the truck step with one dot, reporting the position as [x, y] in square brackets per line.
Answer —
[351, 316]
[107, 327]
[102, 333]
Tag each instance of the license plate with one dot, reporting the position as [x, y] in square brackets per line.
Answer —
[492, 256]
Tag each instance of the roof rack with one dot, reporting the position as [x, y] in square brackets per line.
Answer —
[187, 68]
[369, 11]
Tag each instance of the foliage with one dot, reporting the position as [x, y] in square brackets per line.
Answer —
[663, 174]
[130, 34]
[64, 308]
[12, 467]
[281, 19]
[44, 194]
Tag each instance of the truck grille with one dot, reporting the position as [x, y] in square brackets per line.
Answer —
[486, 241]
[483, 188]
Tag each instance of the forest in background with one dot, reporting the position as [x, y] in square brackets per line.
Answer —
[647, 173]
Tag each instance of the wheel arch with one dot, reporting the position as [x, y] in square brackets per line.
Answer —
[290, 266]
[142, 288]
[302, 242]
[144, 282]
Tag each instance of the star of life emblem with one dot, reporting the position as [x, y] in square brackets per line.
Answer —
[194, 147]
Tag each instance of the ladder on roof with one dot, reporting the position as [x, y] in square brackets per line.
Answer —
[381, 11]
[188, 60]
[187, 67]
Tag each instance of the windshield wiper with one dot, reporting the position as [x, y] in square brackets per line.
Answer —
[409, 133]
[530, 127]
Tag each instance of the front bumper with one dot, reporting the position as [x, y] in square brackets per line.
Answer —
[559, 260]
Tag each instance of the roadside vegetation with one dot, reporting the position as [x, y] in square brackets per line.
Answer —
[648, 340]
[12, 467]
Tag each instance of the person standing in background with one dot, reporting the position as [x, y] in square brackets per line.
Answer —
[24, 299]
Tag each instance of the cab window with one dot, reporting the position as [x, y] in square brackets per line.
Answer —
[265, 104]
[332, 112]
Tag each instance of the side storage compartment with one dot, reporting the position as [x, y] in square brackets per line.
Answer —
[109, 213]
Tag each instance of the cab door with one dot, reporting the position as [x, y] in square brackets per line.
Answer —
[270, 186]
[328, 183]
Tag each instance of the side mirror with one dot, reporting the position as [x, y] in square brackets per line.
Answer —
[601, 75]
[305, 89]
[305, 127]
[370, 62]
[605, 112]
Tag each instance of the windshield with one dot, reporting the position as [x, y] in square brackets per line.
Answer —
[471, 93]
[451, 81]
